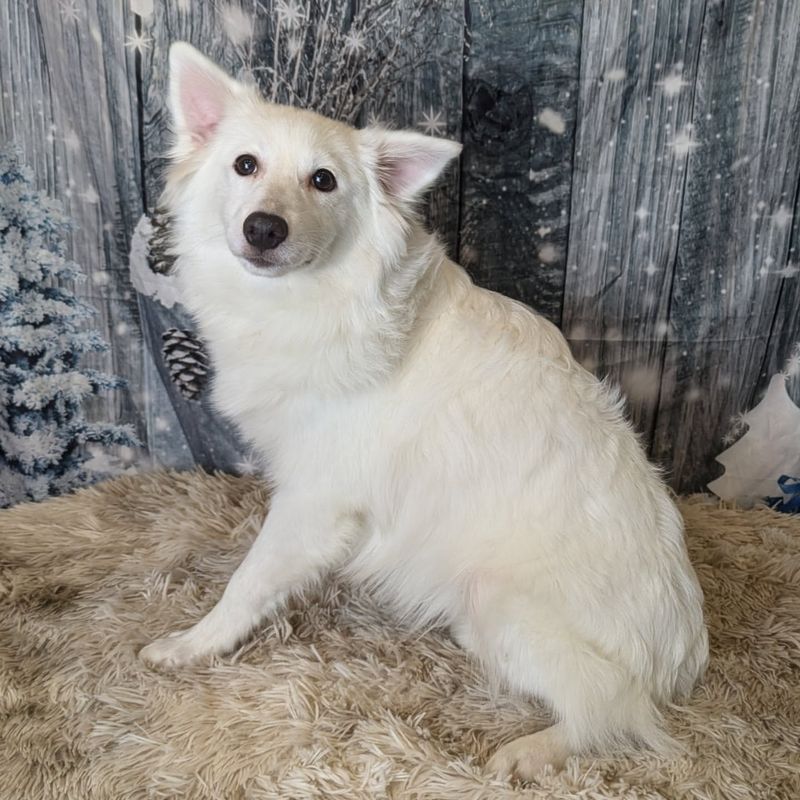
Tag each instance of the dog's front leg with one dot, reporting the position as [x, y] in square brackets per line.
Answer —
[301, 538]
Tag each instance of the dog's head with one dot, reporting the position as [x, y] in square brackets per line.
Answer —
[283, 188]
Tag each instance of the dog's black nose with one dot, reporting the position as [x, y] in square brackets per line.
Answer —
[265, 231]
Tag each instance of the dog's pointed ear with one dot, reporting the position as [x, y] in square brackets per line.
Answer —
[406, 163]
[199, 92]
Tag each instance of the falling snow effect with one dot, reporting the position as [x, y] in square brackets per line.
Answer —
[69, 11]
[237, 24]
[615, 75]
[552, 120]
[354, 42]
[138, 42]
[683, 143]
[651, 269]
[673, 84]
[250, 465]
[432, 123]
[290, 14]
[90, 196]
[782, 218]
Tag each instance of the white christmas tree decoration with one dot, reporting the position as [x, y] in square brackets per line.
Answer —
[768, 450]
[44, 434]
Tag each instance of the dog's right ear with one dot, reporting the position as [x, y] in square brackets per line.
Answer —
[199, 93]
[406, 162]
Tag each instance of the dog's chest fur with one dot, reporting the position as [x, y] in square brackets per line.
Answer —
[299, 382]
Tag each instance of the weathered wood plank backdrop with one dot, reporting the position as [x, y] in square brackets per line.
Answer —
[631, 169]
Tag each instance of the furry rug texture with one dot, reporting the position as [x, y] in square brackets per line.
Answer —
[333, 700]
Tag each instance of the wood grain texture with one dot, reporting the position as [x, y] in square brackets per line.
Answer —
[520, 94]
[783, 347]
[631, 170]
[734, 239]
[634, 111]
[431, 102]
[67, 105]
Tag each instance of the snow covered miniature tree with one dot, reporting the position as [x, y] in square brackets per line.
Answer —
[766, 459]
[43, 334]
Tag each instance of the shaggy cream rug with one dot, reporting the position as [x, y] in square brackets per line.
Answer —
[332, 700]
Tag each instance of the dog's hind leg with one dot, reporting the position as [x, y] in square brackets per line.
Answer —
[534, 651]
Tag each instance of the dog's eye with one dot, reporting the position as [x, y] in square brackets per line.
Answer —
[323, 180]
[245, 165]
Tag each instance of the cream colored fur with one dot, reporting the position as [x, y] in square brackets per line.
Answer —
[432, 440]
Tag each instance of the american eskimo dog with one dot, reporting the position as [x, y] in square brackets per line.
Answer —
[430, 438]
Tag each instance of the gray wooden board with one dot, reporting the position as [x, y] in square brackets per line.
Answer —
[783, 348]
[636, 96]
[520, 95]
[668, 253]
[430, 101]
[67, 105]
[733, 239]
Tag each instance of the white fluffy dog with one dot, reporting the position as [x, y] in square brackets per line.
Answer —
[432, 439]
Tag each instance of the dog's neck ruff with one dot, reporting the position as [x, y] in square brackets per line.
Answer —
[348, 322]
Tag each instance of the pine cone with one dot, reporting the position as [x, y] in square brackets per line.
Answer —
[160, 257]
[187, 362]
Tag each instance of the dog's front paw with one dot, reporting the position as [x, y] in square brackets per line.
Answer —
[525, 757]
[176, 650]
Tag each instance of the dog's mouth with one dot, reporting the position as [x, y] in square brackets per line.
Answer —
[261, 261]
[268, 267]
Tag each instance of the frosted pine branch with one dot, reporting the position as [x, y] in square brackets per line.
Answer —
[320, 55]
[43, 334]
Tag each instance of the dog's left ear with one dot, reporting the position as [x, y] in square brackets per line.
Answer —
[406, 163]
[199, 94]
